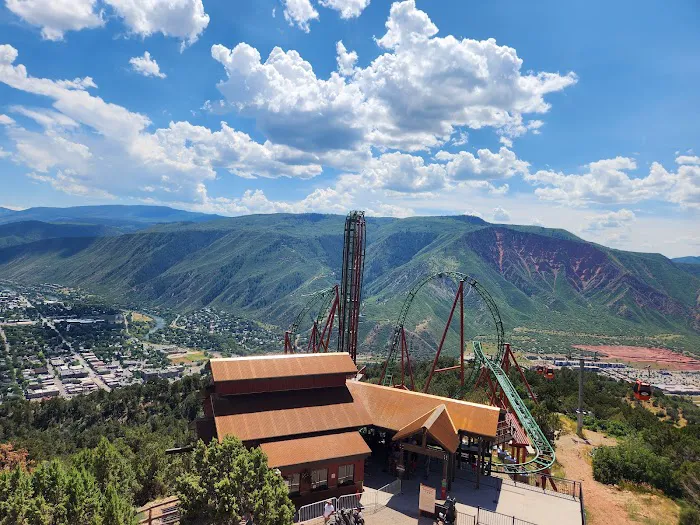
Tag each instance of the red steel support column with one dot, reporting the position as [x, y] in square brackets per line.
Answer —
[442, 341]
[408, 359]
[461, 332]
[509, 352]
[403, 383]
[328, 329]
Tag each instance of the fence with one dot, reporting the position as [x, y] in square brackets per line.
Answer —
[583, 510]
[544, 482]
[370, 501]
[488, 517]
[163, 513]
[550, 484]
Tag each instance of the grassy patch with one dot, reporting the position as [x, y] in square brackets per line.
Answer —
[190, 357]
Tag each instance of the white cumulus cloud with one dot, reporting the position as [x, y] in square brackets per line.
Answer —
[146, 66]
[613, 219]
[412, 97]
[299, 13]
[609, 181]
[56, 17]
[182, 19]
[123, 156]
[500, 215]
[346, 8]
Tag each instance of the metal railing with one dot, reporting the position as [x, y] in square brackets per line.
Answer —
[312, 511]
[551, 485]
[371, 502]
[165, 512]
[465, 519]
[489, 517]
[580, 499]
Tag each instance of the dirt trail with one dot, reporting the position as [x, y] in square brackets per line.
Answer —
[606, 504]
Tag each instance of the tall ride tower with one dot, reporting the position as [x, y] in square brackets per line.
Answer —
[351, 284]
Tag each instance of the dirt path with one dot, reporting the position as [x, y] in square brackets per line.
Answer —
[606, 504]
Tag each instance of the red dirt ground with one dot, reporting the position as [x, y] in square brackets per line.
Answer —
[642, 354]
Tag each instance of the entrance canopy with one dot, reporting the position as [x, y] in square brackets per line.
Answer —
[437, 424]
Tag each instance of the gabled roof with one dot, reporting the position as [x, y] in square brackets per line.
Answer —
[281, 366]
[274, 415]
[438, 424]
[292, 452]
[394, 408]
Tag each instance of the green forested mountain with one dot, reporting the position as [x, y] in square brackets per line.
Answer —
[29, 231]
[687, 260]
[263, 266]
[124, 218]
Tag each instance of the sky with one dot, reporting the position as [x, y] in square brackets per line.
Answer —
[575, 115]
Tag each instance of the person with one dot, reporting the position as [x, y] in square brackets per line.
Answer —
[328, 511]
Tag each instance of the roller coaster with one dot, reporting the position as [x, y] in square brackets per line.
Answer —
[534, 452]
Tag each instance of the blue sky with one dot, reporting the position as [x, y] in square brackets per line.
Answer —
[582, 116]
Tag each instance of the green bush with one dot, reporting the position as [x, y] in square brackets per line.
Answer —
[689, 516]
[633, 461]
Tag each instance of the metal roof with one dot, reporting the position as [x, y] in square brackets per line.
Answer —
[256, 417]
[280, 366]
[438, 424]
[394, 408]
[293, 452]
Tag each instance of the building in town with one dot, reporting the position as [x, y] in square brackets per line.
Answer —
[306, 411]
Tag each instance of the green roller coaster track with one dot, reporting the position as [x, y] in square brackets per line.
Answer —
[544, 453]
[319, 302]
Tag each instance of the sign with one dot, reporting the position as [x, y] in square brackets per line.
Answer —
[426, 499]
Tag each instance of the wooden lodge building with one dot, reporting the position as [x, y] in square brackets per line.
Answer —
[306, 410]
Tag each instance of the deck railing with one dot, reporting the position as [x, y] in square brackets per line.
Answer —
[370, 501]
[488, 517]
[165, 512]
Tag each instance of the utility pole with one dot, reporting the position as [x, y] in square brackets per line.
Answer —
[579, 412]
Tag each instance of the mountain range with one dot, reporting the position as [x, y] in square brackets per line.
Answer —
[121, 218]
[265, 267]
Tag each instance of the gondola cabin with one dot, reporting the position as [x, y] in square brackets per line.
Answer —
[549, 373]
[642, 391]
[539, 369]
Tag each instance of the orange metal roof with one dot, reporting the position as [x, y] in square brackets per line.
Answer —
[438, 424]
[279, 366]
[394, 408]
[313, 449]
[274, 415]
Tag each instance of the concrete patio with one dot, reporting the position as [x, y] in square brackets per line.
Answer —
[523, 502]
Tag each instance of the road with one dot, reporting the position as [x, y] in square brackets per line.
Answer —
[91, 373]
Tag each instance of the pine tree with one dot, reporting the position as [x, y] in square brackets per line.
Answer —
[228, 480]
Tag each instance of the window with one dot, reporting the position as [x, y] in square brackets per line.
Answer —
[319, 479]
[346, 474]
[292, 482]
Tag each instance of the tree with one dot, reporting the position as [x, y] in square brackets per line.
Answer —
[11, 458]
[117, 509]
[227, 480]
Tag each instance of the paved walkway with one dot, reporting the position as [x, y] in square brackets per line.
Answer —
[522, 501]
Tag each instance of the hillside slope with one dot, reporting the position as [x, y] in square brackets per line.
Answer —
[125, 218]
[263, 266]
[691, 259]
[30, 231]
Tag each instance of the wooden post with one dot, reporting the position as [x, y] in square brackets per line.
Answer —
[478, 464]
